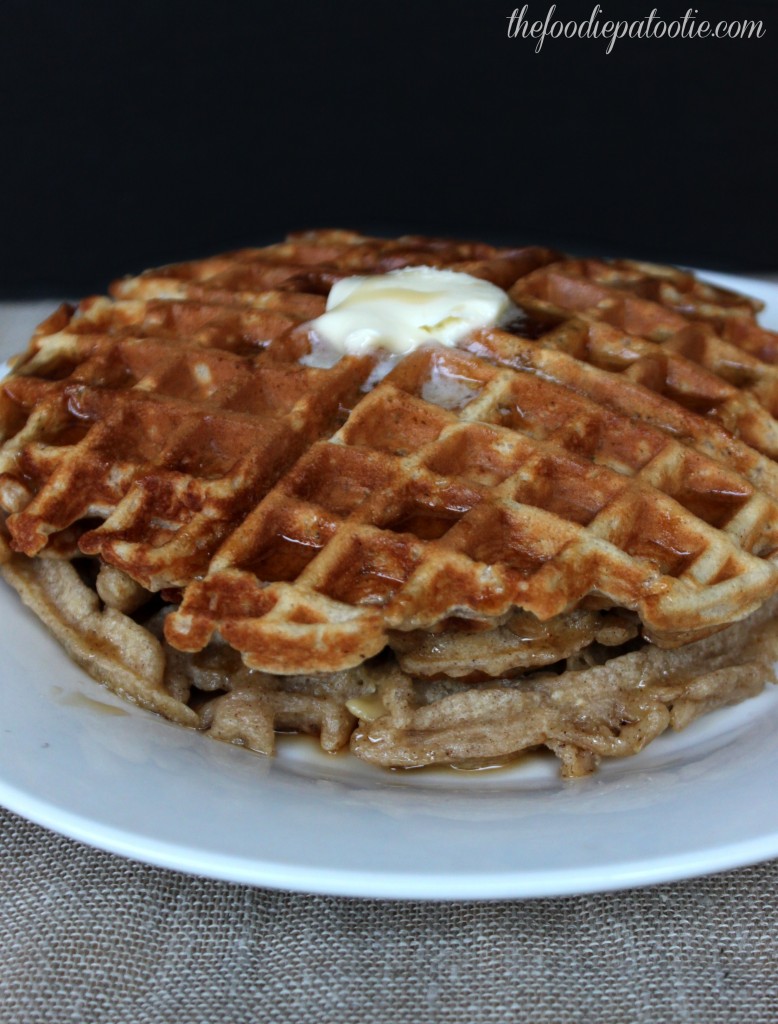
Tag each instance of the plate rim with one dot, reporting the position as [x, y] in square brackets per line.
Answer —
[450, 887]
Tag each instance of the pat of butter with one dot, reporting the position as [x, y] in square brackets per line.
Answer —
[367, 708]
[403, 309]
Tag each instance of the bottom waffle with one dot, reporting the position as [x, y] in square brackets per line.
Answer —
[588, 688]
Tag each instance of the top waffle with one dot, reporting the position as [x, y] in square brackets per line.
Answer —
[615, 447]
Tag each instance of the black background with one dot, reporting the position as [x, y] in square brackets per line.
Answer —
[138, 133]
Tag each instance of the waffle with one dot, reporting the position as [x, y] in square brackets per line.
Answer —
[254, 540]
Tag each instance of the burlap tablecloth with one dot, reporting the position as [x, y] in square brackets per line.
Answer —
[86, 936]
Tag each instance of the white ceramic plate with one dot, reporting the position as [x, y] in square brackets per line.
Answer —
[80, 761]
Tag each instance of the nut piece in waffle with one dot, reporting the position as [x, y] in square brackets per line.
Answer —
[441, 556]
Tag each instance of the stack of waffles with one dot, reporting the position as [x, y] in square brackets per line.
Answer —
[562, 533]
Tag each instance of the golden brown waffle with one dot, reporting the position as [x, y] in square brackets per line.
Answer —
[614, 448]
[178, 421]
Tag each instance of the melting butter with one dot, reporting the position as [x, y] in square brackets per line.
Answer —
[368, 708]
[401, 310]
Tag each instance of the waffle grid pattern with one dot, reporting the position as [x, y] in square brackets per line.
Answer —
[615, 447]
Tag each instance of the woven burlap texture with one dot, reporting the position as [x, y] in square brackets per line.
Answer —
[87, 937]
